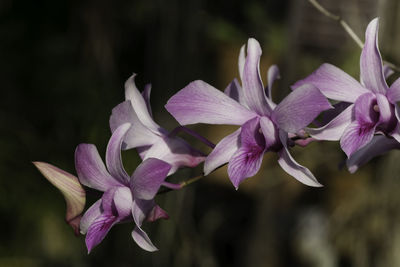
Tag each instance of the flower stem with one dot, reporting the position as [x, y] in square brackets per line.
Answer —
[347, 28]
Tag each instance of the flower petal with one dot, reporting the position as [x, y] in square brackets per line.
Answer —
[393, 93]
[199, 102]
[157, 213]
[73, 192]
[143, 240]
[378, 146]
[387, 71]
[235, 91]
[355, 136]
[289, 165]
[90, 215]
[113, 154]
[386, 110]
[99, 229]
[148, 177]
[242, 61]
[300, 108]
[140, 105]
[222, 152]
[91, 170]
[176, 152]
[146, 96]
[334, 129]
[138, 135]
[123, 202]
[270, 132]
[334, 83]
[364, 109]
[246, 161]
[371, 68]
[253, 87]
[273, 74]
[141, 209]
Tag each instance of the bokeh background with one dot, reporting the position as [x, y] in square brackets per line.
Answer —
[63, 65]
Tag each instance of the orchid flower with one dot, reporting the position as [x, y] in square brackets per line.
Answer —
[147, 136]
[73, 192]
[373, 109]
[264, 125]
[125, 198]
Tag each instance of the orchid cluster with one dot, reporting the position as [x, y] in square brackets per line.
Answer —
[365, 118]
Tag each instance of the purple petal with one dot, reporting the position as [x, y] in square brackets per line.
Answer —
[139, 104]
[157, 213]
[235, 91]
[393, 93]
[334, 83]
[242, 60]
[90, 215]
[91, 170]
[387, 71]
[371, 68]
[141, 209]
[113, 154]
[148, 177]
[270, 132]
[396, 133]
[273, 74]
[386, 111]
[138, 135]
[222, 152]
[355, 136]
[364, 110]
[142, 239]
[69, 185]
[300, 108]
[99, 229]
[107, 201]
[378, 146]
[334, 129]
[199, 102]
[253, 87]
[246, 161]
[176, 152]
[146, 96]
[289, 165]
[123, 202]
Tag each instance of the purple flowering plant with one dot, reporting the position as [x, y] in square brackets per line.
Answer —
[366, 121]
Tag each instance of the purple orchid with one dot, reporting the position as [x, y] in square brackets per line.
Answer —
[264, 125]
[373, 109]
[151, 140]
[125, 198]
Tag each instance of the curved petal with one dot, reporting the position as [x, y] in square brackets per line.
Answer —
[289, 165]
[386, 111]
[99, 229]
[176, 152]
[355, 136]
[334, 83]
[143, 240]
[235, 91]
[157, 213]
[139, 105]
[271, 134]
[222, 152]
[113, 154]
[253, 87]
[138, 135]
[273, 74]
[378, 146]
[199, 102]
[334, 129]
[246, 161]
[242, 60]
[123, 202]
[371, 68]
[90, 215]
[364, 110]
[141, 209]
[73, 192]
[300, 108]
[146, 96]
[393, 93]
[387, 71]
[91, 170]
[148, 177]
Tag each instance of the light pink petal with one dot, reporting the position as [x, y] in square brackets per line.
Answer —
[272, 76]
[140, 105]
[222, 152]
[393, 93]
[300, 108]
[72, 190]
[253, 87]
[143, 240]
[148, 177]
[199, 102]
[113, 154]
[289, 165]
[91, 170]
[138, 135]
[334, 129]
[157, 213]
[246, 161]
[371, 68]
[242, 61]
[334, 83]
[355, 136]
[378, 146]
[146, 96]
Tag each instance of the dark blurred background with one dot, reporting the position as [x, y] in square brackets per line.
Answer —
[63, 65]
